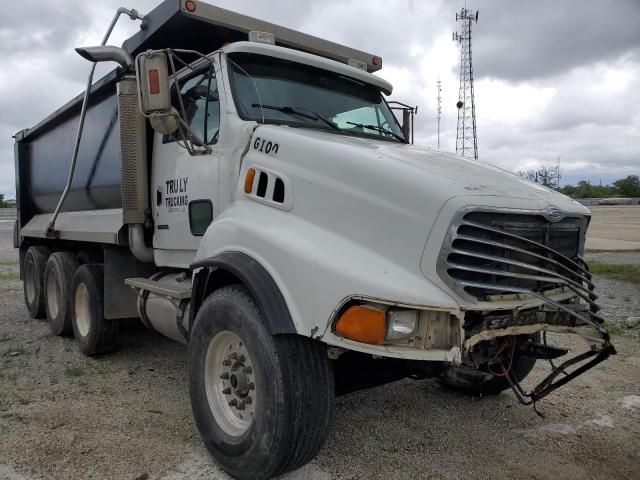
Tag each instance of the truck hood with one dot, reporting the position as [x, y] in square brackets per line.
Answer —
[442, 175]
[386, 201]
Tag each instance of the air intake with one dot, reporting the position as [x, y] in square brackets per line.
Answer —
[133, 145]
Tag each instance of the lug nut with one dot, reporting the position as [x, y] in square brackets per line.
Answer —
[248, 400]
[248, 370]
[224, 376]
[233, 356]
[251, 386]
[241, 358]
[226, 391]
[241, 406]
[226, 363]
[233, 402]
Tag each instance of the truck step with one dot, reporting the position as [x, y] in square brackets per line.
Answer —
[178, 291]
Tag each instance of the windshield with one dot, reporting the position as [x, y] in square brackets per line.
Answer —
[290, 93]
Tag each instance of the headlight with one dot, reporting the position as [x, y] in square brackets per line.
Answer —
[401, 323]
[376, 324]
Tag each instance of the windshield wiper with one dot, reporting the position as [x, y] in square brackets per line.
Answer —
[300, 113]
[379, 129]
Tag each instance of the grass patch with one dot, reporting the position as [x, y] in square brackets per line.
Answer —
[626, 273]
[7, 276]
[613, 328]
[4, 338]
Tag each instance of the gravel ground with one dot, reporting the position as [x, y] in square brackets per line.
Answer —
[127, 415]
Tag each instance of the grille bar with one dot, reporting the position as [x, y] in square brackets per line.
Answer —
[536, 244]
[556, 277]
[539, 278]
[586, 278]
[592, 319]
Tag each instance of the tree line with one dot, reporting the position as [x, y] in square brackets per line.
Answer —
[550, 177]
[4, 203]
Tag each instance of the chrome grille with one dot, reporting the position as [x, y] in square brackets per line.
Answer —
[496, 253]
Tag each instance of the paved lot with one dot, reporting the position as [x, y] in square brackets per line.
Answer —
[127, 415]
[614, 228]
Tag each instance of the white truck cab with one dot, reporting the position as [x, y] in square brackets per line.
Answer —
[273, 214]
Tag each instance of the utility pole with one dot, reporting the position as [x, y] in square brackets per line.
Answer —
[439, 109]
[466, 136]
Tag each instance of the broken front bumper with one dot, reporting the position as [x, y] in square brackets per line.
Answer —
[503, 261]
[560, 318]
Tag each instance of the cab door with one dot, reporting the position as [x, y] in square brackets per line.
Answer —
[183, 185]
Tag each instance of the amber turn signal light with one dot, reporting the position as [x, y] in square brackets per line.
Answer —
[248, 180]
[363, 324]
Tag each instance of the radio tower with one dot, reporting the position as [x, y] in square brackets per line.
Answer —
[466, 137]
[439, 109]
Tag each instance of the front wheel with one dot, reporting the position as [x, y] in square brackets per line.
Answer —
[263, 404]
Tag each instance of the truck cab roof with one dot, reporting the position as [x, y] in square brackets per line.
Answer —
[206, 28]
[309, 59]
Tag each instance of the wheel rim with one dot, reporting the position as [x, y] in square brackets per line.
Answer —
[30, 281]
[53, 294]
[82, 310]
[230, 383]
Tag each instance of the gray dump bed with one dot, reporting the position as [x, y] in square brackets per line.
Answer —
[43, 153]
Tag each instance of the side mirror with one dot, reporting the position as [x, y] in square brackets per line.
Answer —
[406, 123]
[152, 74]
[408, 113]
[153, 80]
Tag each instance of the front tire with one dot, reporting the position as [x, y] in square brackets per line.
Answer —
[263, 404]
[94, 334]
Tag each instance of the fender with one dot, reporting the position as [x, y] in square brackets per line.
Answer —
[217, 270]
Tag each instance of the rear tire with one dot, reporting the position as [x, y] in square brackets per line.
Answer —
[57, 291]
[288, 378]
[35, 262]
[94, 334]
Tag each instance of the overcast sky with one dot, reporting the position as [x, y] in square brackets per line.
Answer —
[554, 79]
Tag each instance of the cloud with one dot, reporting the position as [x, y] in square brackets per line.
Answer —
[525, 40]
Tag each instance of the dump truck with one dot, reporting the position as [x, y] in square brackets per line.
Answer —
[249, 191]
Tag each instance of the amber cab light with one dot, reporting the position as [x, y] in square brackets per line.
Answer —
[363, 324]
[248, 180]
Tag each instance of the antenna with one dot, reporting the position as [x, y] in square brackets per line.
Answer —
[466, 136]
[439, 109]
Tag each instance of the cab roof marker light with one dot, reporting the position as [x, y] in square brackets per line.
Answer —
[357, 64]
[262, 37]
[190, 6]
